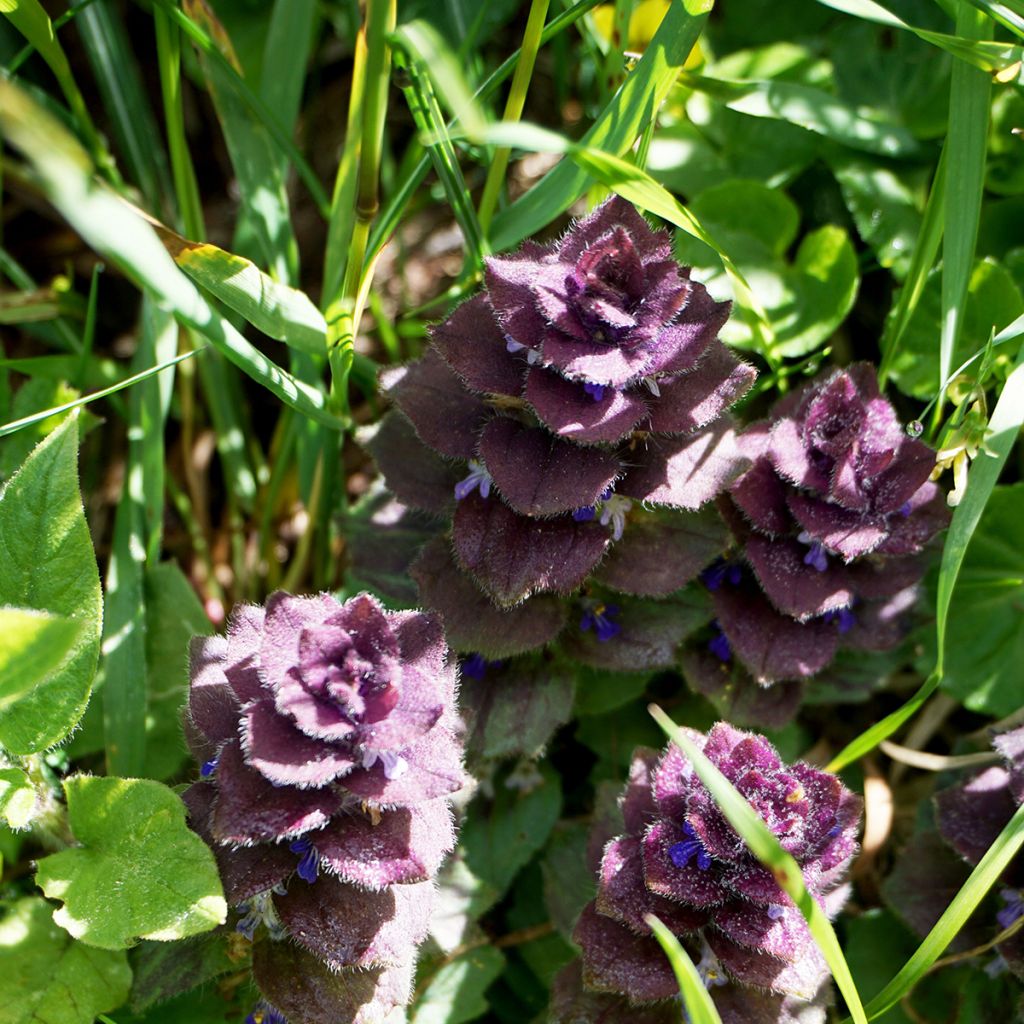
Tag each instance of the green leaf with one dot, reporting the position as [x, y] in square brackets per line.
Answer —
[567, 889]
[763, 844]
[17, 797]
[34, 396]
[456, 993]
[500, 837]
[810, 108]
[883, 207]
[174, 615]
[985, 636]
[139, 872]
[874, 940]
[804, 301]
[599, 690]
[46, 977]
[700, 1009]
[32, 645]
[49, 566]
[280, 312]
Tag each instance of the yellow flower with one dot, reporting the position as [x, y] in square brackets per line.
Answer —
[643, 23]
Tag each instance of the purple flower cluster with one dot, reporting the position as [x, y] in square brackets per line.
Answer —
[678, 858]
[829, 522]
[972, 814]
[330, 745]
[570, 420]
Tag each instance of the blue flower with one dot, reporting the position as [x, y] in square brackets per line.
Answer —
[720, 571]
[309, 863]
[478, 478]
[208, 768]
[843, 617]
[1014, 909]
[718, 645]
[599, 618]
[682, 853]
[264, 1013]
[596, 391]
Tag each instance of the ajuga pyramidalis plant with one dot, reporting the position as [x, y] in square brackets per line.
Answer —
[677, 857]
[829, 524]
[565, 426]
[330, 745]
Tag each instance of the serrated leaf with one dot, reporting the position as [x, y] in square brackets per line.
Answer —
[456, 993]
[46, 977]
[32, 645]
[35, 395]
[17, 797]
[49, 566]
[139, 872]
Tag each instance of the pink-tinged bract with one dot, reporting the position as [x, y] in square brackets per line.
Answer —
[680, 859]
[829, 523]
[565, 423]
[330, 746]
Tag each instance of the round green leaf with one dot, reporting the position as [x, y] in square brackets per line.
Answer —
[46, 977]
[140, 871]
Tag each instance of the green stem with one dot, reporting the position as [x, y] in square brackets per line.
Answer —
[513, 108]
[343, 317]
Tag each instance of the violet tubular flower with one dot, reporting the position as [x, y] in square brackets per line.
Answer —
[330, 746]
[578, 410]
[831, 518]
[679, 858]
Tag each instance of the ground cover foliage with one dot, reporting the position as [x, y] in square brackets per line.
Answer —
[411, 413]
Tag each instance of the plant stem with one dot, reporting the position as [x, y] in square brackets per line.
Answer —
[513, 108]
[343, 316]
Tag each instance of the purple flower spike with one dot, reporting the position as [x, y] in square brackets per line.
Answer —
[832, 513]
[337, 747]
[681, 860]
[585, 394]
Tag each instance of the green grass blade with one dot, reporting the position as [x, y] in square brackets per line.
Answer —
[29, 18]
[45, 414]
[810, 108]
[386, 223]
[417, 53]
[700, 1009]
[1005, 425]
[254, 157]
[996, 860]
[767, 849]
[116, 231]
[125, 101]
[1010, 14]
[984, 54]
[966, 142]
[634, 104]
[926, 248]
[280, 312]
[258, 108]
[286, 58]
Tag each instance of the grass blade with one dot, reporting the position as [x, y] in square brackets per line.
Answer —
[125, 101]
[115, 230]
[254, 158]
[967, 140]
[767, 849]
[634, 104]
[996, 860]
[280, 312]
[700, 1008]
[981, 53]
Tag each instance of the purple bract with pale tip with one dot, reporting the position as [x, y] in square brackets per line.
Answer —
[679, 859]
[330, 745]
[830, 520]
[555, 418]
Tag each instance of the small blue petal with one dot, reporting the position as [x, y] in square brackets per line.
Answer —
[596, 391]
[584, 515]
[474, 666]
[208, 768]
